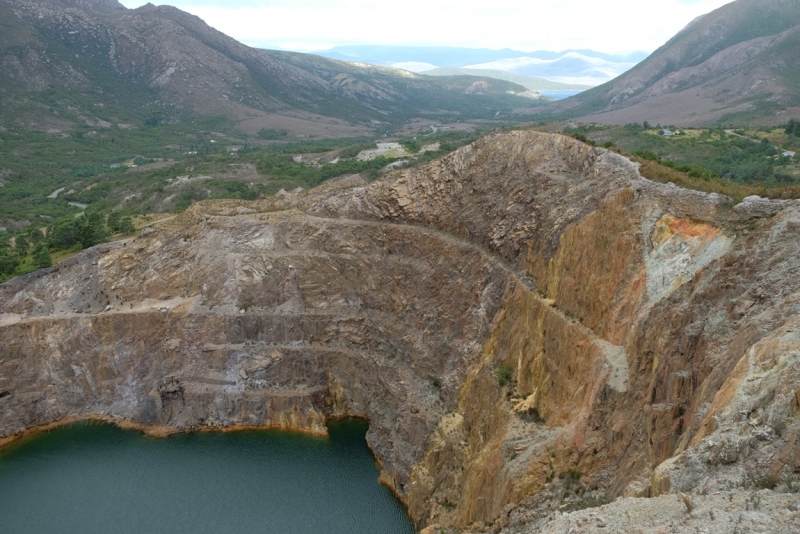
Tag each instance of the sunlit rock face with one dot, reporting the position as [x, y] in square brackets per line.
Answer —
[527, 324]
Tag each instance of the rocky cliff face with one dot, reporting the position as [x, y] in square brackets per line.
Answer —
[529, 325]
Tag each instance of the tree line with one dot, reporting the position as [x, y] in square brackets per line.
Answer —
[31, 248]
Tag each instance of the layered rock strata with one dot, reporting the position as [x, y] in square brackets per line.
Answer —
[528, 324]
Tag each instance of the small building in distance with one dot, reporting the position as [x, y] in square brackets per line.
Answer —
[788, 154]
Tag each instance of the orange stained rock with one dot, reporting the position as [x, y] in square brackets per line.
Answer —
[685, 229]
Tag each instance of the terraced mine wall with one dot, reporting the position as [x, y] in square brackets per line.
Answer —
[527, 324]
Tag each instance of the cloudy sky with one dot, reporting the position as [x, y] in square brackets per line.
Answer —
[611, 26]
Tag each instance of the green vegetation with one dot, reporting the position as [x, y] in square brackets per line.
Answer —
[47, 179]
[41, 256]
[412, 145]
[734, 162]
[571, 477]
[449, 141]
[272, 133]
[283, 171]
[504, 374]
[767, 482]
[355, 150]
[36, 164]
[33, 248]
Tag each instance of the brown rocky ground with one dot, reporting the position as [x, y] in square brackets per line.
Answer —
[531, 327]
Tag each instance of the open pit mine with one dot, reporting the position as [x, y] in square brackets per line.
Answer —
[541, 339]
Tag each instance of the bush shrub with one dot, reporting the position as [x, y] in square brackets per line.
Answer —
[272, 133]
[504, 374]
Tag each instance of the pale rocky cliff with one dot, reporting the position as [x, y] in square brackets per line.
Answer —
[650, 335]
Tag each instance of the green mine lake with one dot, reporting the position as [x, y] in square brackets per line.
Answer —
[96, 478]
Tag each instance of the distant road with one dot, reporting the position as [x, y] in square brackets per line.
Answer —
[156, 222]
[731, 132]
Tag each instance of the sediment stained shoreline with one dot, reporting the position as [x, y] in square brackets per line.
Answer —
[157, 431]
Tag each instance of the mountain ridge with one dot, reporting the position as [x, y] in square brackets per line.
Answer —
[450, 56]
[163, 62]
[586, 67]
[531, 82]
[737, 63]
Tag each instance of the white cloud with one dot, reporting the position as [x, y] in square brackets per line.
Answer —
[414, 66]
[611, 26]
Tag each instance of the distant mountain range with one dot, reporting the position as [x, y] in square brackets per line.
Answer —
[582, 67]
[531, 82]
[738, 64]
[86, 62]
[94, 62]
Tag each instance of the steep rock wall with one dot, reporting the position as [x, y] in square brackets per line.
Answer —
[527, 323]
[629, 315]
[275, 320]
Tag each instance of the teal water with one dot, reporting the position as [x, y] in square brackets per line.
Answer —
[100, 479]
